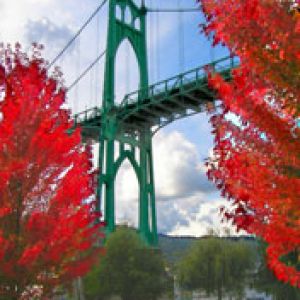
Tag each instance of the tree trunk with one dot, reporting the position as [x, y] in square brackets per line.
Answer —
[78, 289]
[219, 292]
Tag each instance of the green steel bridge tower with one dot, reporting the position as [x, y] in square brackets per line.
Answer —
[131, 124]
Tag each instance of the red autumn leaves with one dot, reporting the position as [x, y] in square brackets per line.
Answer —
[256, 161]
[47, 219]
[47, 212]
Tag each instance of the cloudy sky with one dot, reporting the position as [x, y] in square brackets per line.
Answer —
[187, 204]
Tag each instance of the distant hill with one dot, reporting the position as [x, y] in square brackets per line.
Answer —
[174, 247]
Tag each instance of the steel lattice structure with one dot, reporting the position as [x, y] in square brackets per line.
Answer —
[133, 122]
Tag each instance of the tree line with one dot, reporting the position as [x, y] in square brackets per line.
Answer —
[216, 266]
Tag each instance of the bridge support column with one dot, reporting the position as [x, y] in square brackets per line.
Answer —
[120, 28]
[109, 167]
[106, 184]
[147, 215]
[110, 188]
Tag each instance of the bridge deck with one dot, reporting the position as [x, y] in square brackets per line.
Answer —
[161, 103]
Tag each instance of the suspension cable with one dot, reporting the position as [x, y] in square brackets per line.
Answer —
[173, 10]
[97, 84]
[86, 71]
[181, 39]
[127, 68]
[152, 43]
[91, 81]
[76, 34]
[78, 62]
[157, 47]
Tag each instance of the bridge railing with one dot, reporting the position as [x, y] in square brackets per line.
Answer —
[87, 115]
[165, 86]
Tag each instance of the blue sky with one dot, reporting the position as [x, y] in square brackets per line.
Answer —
[187, 204]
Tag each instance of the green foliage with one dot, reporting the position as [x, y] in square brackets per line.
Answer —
[216, 266]
[129, 270]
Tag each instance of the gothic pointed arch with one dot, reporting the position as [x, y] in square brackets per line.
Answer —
[127, 70]
[130, 157]
[139, 141]
[119, 30]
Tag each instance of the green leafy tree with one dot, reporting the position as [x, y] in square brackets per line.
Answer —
[129, 270]
[214, 265]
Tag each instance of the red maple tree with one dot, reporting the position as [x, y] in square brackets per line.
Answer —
[256, 160]
[48, 222]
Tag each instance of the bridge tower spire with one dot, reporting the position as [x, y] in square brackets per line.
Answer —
[135, 144]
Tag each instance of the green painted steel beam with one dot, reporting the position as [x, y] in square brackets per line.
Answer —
[112, 128]
[131, 122]
[154, 112]
[158, 105]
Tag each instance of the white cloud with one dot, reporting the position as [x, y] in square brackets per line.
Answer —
[16, 13]
[178, 170]
[187, 204]
[48, 33]
[126, 195]
[205, 217]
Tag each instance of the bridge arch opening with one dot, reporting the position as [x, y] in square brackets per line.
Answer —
[128, 16]
[138, 3]
[126, 195]
[118, 12]
[127, 71]
[137, 23]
